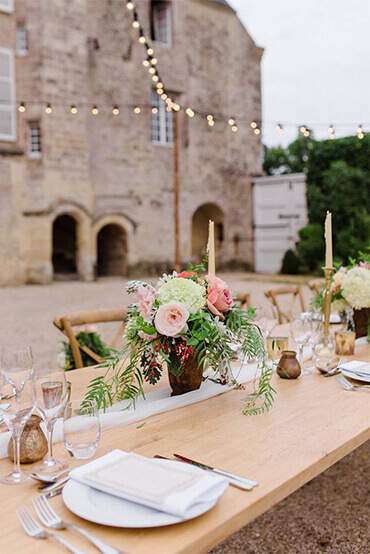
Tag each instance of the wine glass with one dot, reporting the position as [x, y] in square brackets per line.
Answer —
[317, 328]
[51, 396]
[300, 328]
[17, 401]
[267, 319]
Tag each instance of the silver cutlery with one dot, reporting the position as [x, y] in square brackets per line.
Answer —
[34, 530]
[334, 370]
[51, 494]
[50, 518]
[348, 386]
[48, 478]
[49, 487]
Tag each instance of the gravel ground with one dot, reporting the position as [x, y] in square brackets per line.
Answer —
[330, 514]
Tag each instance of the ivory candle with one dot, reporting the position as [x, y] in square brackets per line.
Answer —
[329, 241]
[211, 248]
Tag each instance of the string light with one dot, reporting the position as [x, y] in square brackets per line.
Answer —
[74, 110]
[164, 96]
[256, 131]
[142, 39]
[211, 122]
[168, 101]
[254, 125]
[151, 70]
[360, 133]
[135, 24]
[154, 61]
[306, 133]
[210, 117]
[146, 63]
[159, 85]
[303, 129]
[190, 112]
[155, 78]
[137, 110]
[154, 110]
[231, 121]
[176, 107]
[234, 128]
[279, 128]
[130, 5]
[95, 110]
[169, 108]
[22, 107]
[160, 91]
[48, 108]
[150, 51]
[115, 110]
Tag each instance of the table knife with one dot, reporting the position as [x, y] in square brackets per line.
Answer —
[47, 488]
[54, 493]
[226, 474]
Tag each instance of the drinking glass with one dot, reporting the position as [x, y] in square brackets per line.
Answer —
[51, 397]
[17, 401]
[300, 328]
[267, 319]
[81, 428]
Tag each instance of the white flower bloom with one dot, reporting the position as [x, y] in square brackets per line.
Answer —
[356, 287]
[62, 360]
[187, 292]
[338, 277]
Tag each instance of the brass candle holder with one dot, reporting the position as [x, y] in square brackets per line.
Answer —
[328, 271]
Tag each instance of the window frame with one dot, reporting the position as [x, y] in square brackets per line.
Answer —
[163, 117]
[22, 25]
[169, 24]
[34, 154]
[5, 9]
[9, 108]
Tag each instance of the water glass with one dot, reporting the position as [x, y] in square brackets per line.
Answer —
[81, 428]
[267, 319]
[17, 401]
[300, 328]
[51, 397]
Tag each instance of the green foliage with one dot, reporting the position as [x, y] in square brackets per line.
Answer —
[337, 180]
[290, 263]
[90, 339]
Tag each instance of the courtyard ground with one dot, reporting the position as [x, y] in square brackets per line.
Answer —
[330, 514]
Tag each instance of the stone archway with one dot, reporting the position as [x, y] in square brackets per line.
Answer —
[112, 259]
[200, 223]
[64, 247]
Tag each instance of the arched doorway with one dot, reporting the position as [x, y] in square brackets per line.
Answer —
[200, 224]
[112, 250]
[64, 247]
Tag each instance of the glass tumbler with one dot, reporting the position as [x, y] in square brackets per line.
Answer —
[81, 428]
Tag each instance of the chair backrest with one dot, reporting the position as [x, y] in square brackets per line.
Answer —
[294, 291]
[316, 285]
[243, 300]
[66, 323]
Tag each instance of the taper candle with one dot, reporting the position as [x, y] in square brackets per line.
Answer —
[329, 241]
[211, 248]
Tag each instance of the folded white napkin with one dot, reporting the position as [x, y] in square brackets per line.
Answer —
[170, 487]
[356, 367]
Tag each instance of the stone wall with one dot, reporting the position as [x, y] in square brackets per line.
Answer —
[104, 169]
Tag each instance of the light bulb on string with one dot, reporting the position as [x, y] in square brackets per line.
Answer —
[130, 5]
[22, 107]
[360, 135]
[210, 117]
[154, 61]
[164, 96]
[190, 112]
[254, 125]
[137, 110]
[146, 63]
[160, 85]
[332, 136]
[231, 121]
[160, 91]
[150, 51]
[154, 110]
[168, 100]
[48, 108]
[95, 110]
[176, 107]
[256, 131]
[115, 110]
[359, 129]
[168, 107]
[142, 39]
[135, 24]
[331, 129]
[306, 133]
[302, 129]
[152, 70]
[155, 78]
[211, 122]
[234, 128]
[74, 110]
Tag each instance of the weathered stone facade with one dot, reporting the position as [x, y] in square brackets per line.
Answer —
[105, 170]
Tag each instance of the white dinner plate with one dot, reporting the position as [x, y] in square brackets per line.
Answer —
[358, 376]
[106, 509]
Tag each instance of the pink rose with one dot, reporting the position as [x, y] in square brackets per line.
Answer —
[145, 336]
[186, 274]
[171, 318]
[146, 299]
[364, 264]
[219, 297]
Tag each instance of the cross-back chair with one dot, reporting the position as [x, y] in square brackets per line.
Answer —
[66, 323]
[316, 285]
[243, 300]
[296, 294]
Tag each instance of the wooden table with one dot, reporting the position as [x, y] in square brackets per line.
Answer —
[313, 424]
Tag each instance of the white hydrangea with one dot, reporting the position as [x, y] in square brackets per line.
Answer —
[356, 287]
[185, 291]
[338, 277]
[339, 305]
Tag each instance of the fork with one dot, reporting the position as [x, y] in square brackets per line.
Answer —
[348, 386]
[34, 530]
[50, 518]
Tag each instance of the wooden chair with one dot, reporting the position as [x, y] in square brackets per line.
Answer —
[243, 300]
[295, 292]
[66, 323]
[316, 285]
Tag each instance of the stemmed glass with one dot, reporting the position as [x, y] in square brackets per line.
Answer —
[17, 401]
[51, 397]
[267, 319]
[300, 328]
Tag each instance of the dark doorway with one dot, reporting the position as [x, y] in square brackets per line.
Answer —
[112, 251]
[65, 247]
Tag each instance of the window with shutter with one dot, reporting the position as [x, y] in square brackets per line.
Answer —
[161, 23]
[7, 96]
[22, 39]
[7, 6]
[162, 122]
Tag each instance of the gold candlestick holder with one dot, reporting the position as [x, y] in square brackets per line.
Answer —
[328, 271]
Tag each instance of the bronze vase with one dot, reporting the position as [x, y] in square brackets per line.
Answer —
[33, 444]
[288, 366]
[189, 379]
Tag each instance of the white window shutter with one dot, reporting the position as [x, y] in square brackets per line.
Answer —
[7, 6]
[7, 96]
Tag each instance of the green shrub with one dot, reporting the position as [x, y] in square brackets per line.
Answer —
[290, 264]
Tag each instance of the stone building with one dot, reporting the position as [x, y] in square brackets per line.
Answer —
[86, 195]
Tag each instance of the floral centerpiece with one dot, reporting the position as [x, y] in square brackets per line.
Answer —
[187, 323]
[350, 288]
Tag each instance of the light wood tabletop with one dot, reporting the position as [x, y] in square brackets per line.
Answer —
[313, 424]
